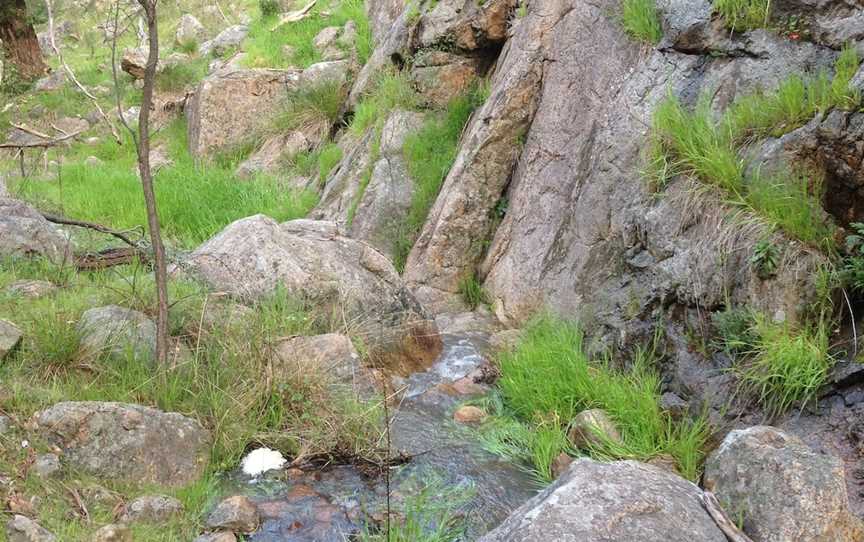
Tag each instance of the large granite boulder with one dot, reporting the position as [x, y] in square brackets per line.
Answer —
[25, 232]
[127, 442]
[190, 31]
[625, 501]
[783, 490]
[254, 256]
[231, 107]
[117, 331]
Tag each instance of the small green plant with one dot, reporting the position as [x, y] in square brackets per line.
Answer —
[190, 47]
[743, 15]
[522, 9]
[852, 273]
[787, 366]
[328, 158]
[472, 292]
[311, 110]
[765, 259]
[641, 20]
[736, 332]
[268, 8]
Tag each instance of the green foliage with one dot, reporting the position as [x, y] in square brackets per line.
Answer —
[472, 292]
[181, 75]
[744, 14]
[312, 110]
[329, 158]
[265, 45]
[196, 200]
[392, 90]
[786, 367]
[641, 20]
[429, 155]
[427, 514]
[548, 379]
[735, 329]
[694, 143]
[765, 259]
[268, 8]
[852, 273]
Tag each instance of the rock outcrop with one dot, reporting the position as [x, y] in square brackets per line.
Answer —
[25, 232]
[623, 501]
[311, 260]
[783, 490]
[127, 442]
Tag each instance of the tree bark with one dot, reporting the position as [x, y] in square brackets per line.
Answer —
[20, 43]
[160, 268]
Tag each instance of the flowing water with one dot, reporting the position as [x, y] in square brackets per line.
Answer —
[331, 504]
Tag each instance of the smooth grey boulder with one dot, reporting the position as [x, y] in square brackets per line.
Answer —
[128, 442]
[117, 331]
[189, 31]
[23, 529]
[224, 41]
[10, 337]
[624, 501]
[332, 355]
[334, 72]
[310, 259]
[231, 107]
[25, 232]
[784, 491]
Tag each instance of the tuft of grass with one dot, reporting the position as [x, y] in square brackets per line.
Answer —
[328, 158]
[265, 47]
[392, 90]
[743, 15]
[548, 379]
[641, 20]
[472, 292]
[785, 366]
[181, 75]
[311, 110]
[429, 155]
[196, 200]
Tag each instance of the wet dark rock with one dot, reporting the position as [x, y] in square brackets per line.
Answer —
[673, 404]
[237, 514]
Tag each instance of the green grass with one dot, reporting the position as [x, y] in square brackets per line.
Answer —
[195, 200]
[311, 110]
[392, 90]
[699, 144]
[328, 158]
[429, 155]
[299, 410]
[641, 20]
[786, 366]
[181, 75]
[547, 380]
[472, 292]
[743, 15]
[265, 48]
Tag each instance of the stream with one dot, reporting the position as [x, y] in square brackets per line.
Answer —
[334, 503]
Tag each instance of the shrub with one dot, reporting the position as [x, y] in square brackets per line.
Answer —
[268, 8]
[548, 379]
[641, 20]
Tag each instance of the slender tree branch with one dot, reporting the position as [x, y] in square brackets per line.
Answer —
[89, 225]
[732, 532]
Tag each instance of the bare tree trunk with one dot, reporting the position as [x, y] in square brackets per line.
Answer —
[147, 183]
[19, 40]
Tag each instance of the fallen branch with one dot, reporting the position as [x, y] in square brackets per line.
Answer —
[30, 131]
[294, 16]
[89, 225]
[732, 532]
[49, 142]
[111, 257]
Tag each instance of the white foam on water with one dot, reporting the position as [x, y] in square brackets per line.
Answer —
[261, 460]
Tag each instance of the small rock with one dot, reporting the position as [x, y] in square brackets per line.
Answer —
[117, 331]
[92, 140]
[237, 514]
[665, 462]
[674, 405]
[52, 82]
[114, 532]
[22, 529]
[31, 288]
[560, 464]
[5, 424]
[229, 38]
[349, 34]
[47, 465]
[92, 161]
[151, 509]
[10, 337]
[216, 537]
[592, 428]
[332, 72]
[134, 62]
[854, 397]
[469, 414]
[326, 37]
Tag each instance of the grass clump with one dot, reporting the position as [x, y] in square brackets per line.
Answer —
[547, 380]
[429, 154]
[785, 366]
[311, 110]
[641, 20]
[328, 158]
[392, 90]
[181, 75]
[472, 292]
[744, 14]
